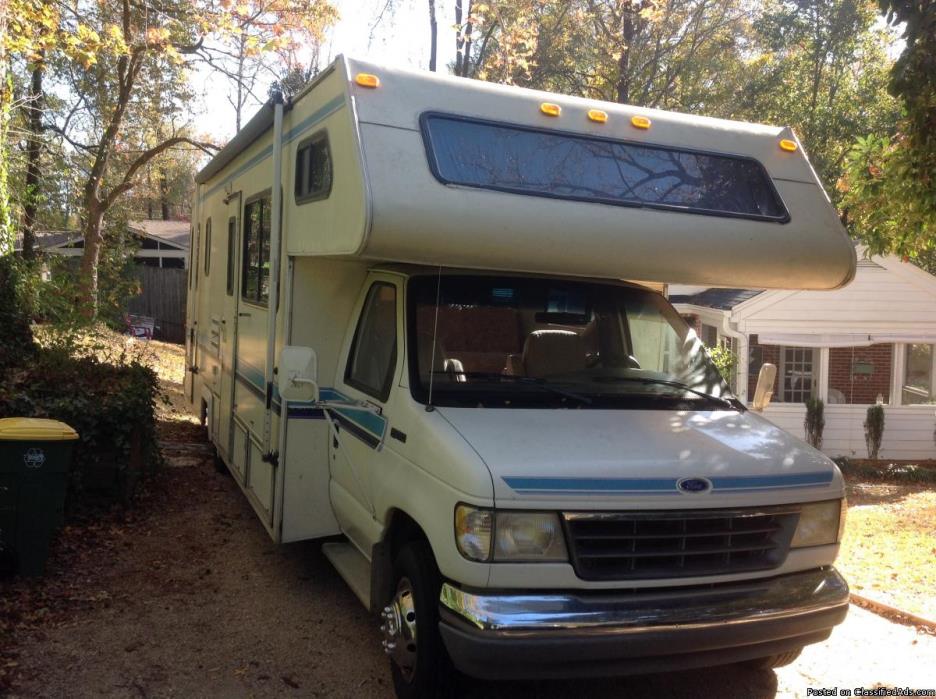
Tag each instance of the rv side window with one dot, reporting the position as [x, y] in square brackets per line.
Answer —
[559, 165]
[255, 283]
[207, 247]
[313, 169]
[374, 349]
[231, 249]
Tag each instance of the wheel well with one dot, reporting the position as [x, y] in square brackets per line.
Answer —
[402, 530]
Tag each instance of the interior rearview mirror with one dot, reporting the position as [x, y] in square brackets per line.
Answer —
[298, 374]
[765, 383]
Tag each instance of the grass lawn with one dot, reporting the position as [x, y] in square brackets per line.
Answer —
[888, 552]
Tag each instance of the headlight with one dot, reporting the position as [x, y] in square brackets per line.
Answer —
[516, 536]
[529, 536]
[820, 523]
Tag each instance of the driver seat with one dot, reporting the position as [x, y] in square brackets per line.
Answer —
[553, 352]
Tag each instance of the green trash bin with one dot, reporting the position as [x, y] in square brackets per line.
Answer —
[34, 459]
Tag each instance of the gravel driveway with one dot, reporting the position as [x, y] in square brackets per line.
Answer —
[191, 599]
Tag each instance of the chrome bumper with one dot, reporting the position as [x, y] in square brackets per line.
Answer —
[698, 607]
[587, 634]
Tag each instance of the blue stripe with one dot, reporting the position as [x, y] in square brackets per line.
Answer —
[324, 112]
[761, 482]
[662, 486]
[621, 485]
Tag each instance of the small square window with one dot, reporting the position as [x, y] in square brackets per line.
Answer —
[313, 169]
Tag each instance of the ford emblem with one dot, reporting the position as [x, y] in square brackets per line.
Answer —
[694, 485]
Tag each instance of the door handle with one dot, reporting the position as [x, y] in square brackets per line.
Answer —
[243, 315]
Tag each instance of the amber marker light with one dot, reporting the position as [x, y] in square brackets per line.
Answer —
[597, 115]
[550, 109]
[367, 80]
[640, 122]
[788, 145]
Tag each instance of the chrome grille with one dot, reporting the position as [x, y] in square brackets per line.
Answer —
[677, 543]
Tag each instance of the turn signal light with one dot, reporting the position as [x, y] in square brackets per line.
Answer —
[640, 122]
[788, 145]
[550, 109]
[597, 115]
[367, 80]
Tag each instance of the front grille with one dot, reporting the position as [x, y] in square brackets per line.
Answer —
[676, 544]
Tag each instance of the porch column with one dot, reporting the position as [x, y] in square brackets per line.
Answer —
[741, 377]
[898, 366]
[823, 375]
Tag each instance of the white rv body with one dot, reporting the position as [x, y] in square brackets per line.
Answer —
[382, 470]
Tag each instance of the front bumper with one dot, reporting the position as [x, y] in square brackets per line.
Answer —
[514, 636]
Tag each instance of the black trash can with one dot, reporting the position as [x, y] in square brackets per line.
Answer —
[35, 455]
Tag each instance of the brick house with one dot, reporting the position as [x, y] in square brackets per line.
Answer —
[872, 342]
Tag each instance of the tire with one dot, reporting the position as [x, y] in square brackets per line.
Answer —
[419, 662]
[772, 662]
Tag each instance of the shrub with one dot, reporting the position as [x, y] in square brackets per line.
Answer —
[724, 360]
[874, 430]
[82, 376]
[814, 423]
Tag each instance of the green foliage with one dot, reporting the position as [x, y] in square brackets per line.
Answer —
[79, 375]
[724, 360]
[874, 430]
[814, 424]
[890, 180]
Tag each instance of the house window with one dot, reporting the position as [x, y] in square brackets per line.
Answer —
[313, 169]
[797, 374]
[918, 385]
[231, 250]
[709, 335]
[207, 247]
[255, 281]
[374, 350]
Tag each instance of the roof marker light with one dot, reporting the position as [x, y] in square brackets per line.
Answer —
[550, 109]
[788, 145]
[640, 122]
[367, 80]
[597, 115]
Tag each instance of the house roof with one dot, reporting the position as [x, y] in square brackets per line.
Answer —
[718, 298]
[175, 232]
[48, 240]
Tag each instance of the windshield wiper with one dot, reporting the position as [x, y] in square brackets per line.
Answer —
[673, 384]
[525, 380]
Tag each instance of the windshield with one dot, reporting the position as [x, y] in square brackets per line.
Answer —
[527, 341]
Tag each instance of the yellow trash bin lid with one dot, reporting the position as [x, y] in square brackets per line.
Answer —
[34, 429]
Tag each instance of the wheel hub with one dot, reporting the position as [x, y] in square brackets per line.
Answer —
[399, 628]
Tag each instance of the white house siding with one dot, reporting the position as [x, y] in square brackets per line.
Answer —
[908, 430]
[893, 299]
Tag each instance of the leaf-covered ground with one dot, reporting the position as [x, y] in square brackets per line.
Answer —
[889, 550]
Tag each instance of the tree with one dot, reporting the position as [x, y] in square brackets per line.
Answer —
[120, 65]
[820, 67]
[889, 188]
[433, 36]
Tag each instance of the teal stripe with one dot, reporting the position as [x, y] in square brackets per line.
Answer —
[320, 114]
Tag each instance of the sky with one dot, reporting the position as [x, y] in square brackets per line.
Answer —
[400, 38]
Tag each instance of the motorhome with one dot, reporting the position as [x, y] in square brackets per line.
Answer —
[425, 325]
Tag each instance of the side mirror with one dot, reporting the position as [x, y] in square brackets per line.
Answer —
[765, 383]
[298, 374]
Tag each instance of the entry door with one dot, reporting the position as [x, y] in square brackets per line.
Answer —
[251, 343]
[366, 373]
[229, 245]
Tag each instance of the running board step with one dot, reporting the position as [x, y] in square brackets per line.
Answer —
[352, 566]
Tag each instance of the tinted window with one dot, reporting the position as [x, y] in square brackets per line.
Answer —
[255, 284]
[231, 249]
[545, 163]
[313, 169]
[374, 351]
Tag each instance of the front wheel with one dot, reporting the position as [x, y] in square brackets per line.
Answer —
[772, 662]
[418, 660]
